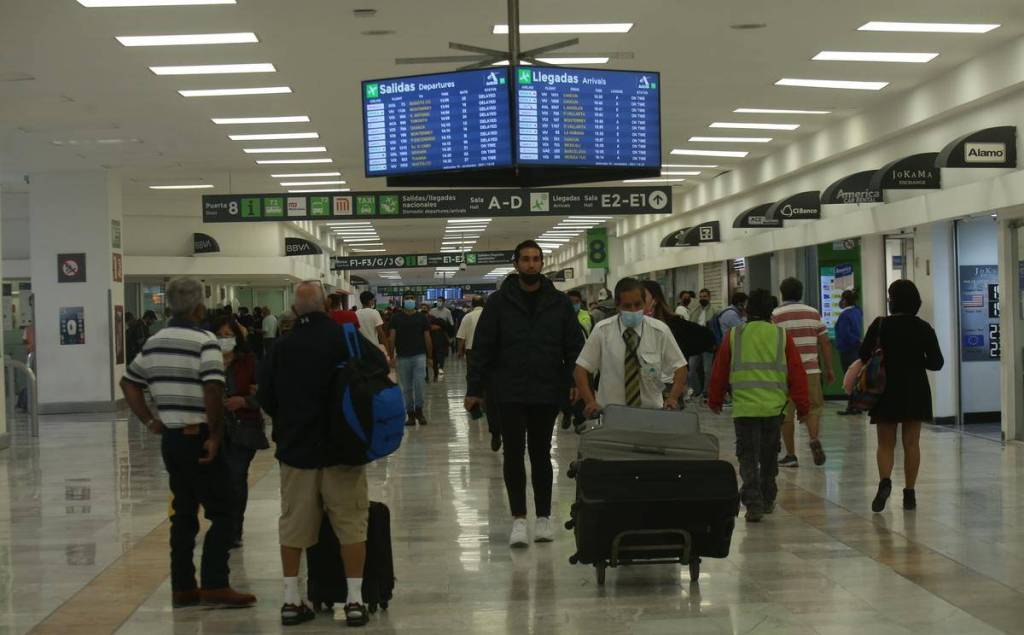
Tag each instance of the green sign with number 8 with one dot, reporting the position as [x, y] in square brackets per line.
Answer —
[597, 248]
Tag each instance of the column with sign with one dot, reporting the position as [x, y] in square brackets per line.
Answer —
[597, 248]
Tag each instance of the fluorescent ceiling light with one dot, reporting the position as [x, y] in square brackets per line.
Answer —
[284, 150]
[619, 27]
[927, 27]
[368, 251]
[465, 230]
[778, 111]
[543, 239]
[227, 92]
[871, 56]
[687, 165]
[305, 174]
[679, 173]
[301, 183]
[457, 236]
[754, 126]
[351, 223]
[336, 189]
[291, 161]
[831, 83]
[654, 180]
[103, 4]
[214, 69]
[364, 231]
[731, 139]
[455, 221]
[249, 120]
[277, 136]
[185, 40]
[197, 186]
[588, 217]
[708, 153]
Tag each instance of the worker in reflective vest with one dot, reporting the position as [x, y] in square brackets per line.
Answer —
[759, 363]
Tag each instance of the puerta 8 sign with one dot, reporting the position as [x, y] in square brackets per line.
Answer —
[435, 123]
[576, 117]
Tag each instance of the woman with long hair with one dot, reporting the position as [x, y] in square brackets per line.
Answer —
[910, 349]
[692, 338]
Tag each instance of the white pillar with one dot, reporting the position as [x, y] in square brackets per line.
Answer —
[5, 438]
[872, 267]
[71, 212]
[935, 276]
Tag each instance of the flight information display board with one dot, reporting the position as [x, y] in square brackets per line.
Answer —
[436, 123]
[588, 118]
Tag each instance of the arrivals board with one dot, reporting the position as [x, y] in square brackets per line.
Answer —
[436, 123]
[588, 118]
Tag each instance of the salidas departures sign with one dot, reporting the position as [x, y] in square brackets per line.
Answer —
[407, 261]
[245, 208]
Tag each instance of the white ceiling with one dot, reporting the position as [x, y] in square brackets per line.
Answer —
[86, 86]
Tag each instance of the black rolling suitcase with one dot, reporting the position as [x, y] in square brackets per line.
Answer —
[653, 512]
[326, 585]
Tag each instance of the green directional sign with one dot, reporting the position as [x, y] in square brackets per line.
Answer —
[389, 205]
[319, 206]
[372, 90]
[250, 208]
[273, 207]
[366, 205]
[597, 248]
[369, 263]
[525, 76]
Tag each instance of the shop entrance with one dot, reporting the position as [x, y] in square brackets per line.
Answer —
[899, 259]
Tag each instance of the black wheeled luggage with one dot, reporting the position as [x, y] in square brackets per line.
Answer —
[327, 585]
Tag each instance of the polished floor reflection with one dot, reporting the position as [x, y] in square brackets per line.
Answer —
[83, 516]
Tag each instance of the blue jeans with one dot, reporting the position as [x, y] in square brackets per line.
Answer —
[708, 364]
[412, 373]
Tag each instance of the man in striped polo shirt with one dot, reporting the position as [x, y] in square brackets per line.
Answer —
[183, 368]
[809, 333]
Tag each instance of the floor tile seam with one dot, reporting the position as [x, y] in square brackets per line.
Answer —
[262, 469]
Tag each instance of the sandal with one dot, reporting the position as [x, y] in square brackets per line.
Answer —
[356, 615]
[293, 615]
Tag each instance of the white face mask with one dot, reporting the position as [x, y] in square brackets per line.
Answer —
[227, 344]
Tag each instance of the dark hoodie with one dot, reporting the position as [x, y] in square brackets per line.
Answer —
[525, 346]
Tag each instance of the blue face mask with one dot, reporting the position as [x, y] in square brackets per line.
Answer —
[409, 304]
[576, 306]
[632, 319]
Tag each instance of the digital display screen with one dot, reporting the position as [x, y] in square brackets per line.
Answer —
[436, 123]
[588, 118]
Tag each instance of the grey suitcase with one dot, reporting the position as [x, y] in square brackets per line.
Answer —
[624, 433]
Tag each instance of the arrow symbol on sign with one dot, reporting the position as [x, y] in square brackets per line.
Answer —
[658, 200]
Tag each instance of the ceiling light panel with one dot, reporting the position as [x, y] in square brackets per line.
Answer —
[187, 40]
[614, 27]
[457, 221]
[303, 183]
[196, 186]
[927, 27]
[230, 121]
[679, 173]
[738, 154]
[302, 175]
[840, 84]
[214, 69]
[870, 56]
[291, 161]
[654, 180]
[105, 4]
[368, 251]
[731, 139]
[687, 165]
[334, 189]
[754, 126]
[276, 136]
[228, 92]
[285, 150]
[778, 111]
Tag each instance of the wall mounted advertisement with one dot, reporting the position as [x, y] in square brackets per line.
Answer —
[118, 334]
[979, 313]
[118, 266]
[72, 325]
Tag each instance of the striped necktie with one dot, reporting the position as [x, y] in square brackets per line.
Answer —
[632, 368]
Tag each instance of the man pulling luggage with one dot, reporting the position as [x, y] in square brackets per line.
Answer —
[763, 367]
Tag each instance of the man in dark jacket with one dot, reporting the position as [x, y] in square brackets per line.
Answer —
[524, 351]
[294, 389]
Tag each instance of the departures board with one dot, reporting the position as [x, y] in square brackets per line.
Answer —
[437, 123]
[588, 118]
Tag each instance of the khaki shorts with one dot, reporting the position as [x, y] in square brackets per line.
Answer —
[817, 398]
[340, 491]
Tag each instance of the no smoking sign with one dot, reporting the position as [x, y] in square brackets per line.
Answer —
[70, 267]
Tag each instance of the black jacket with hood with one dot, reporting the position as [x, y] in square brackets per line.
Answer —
[525, 356]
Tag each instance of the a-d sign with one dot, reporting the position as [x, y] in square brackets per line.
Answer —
[989, 148]
[802, 206]
[300, 247]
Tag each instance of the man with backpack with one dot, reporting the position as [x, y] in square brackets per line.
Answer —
[729, 317]
[295, 389]
[700, 365]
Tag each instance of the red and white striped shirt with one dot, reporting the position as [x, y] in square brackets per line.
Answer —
[804, 325]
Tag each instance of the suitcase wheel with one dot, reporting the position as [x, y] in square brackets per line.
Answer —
[570, 524]
[695, 570]
[573, 559]
[600, 573]
[572, 470]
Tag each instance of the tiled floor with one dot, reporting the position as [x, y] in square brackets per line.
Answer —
[82, 514]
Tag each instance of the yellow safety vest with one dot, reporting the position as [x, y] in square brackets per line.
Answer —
[758, 371]
[585, 322]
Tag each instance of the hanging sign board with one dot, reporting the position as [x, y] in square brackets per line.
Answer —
[853, 189]
[709, 232]
[421, 289]
[802, 206]
[672, 239]
[204, 244]
[916, 172]
[757, 217]
[597, 248]
[988, 148]
[300, 247]
[235, 208]
[407, 261]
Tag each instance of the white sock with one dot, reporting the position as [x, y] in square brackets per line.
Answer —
[291, 591]
[355, 591]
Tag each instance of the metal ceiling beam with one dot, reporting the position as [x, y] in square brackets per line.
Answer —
[550, 47]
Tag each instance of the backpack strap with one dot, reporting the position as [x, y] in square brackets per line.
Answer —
[355, 349]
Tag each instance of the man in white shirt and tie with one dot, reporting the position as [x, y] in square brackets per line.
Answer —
[636, 356]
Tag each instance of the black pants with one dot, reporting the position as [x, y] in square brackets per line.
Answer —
[193, 485]
[238, 459]
[528, 426]
[847, 358]
[757, 448]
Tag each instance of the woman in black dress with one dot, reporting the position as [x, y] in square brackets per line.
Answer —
[910, 349]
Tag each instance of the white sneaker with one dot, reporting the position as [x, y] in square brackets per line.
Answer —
[519, 537]
[542, 531]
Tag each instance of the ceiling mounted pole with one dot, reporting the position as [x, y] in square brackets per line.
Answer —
[513, 32]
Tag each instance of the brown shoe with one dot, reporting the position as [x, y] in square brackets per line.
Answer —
[420, 418]
[181, 599]
[227, 597]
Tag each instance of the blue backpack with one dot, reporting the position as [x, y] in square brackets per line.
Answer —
[715, 323]
[367, 411]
